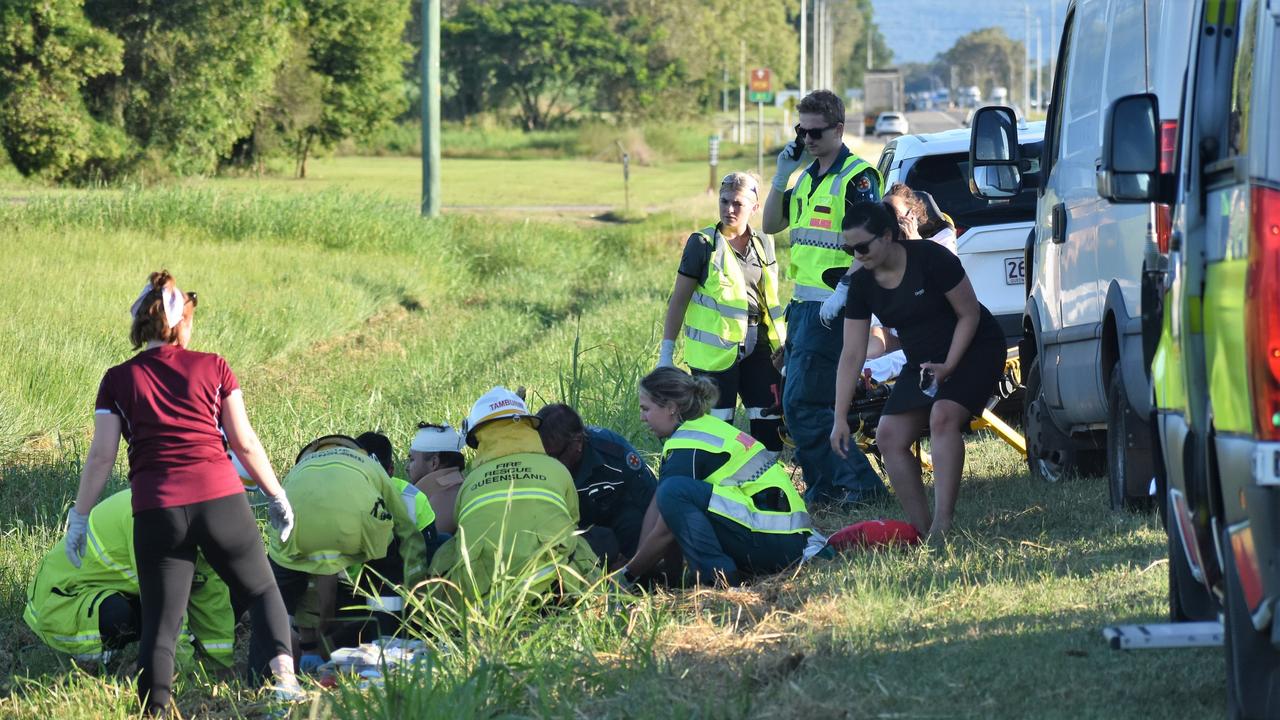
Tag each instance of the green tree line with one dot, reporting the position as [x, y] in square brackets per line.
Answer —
[98, 90]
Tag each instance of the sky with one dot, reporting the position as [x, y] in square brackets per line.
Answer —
[917, 30]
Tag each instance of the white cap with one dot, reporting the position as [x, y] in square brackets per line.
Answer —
[497, 404]
[436, 438]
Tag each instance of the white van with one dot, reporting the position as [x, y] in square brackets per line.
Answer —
[1090, 263]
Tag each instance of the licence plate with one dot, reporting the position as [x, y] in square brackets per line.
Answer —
[1015, 271]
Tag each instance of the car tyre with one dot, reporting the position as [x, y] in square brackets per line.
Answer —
[1253, 665]
[1051, 455]
[1129, 469]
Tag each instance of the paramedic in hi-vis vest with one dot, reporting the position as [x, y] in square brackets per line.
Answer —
[721, 496]
[812, 210]
[517, 512]
[726, 297]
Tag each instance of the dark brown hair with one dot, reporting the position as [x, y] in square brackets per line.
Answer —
[824, 103]
[151, 323]
[560, 423]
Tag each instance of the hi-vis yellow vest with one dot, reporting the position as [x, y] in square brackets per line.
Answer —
[815, 228]
[749, 471]
[715, 322]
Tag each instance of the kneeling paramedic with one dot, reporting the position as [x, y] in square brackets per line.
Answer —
[94, 610]
[348, 511]
[517, 511]
[721, 495]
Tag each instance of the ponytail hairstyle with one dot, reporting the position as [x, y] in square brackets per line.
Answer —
[876, 218]
[935, 221]
[692, 396]
[160, 311]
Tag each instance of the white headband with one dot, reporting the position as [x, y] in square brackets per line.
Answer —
[174, 301]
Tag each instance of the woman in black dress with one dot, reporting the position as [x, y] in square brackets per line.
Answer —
[920, 289]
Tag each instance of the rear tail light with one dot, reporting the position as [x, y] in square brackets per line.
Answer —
[1168, 144]
[1262, 295]
[1164, 226]
[1246, 564]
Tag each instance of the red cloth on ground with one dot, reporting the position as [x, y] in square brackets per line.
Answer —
[169, 400]
[870, 533]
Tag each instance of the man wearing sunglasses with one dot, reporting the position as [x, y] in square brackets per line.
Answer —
[813, 211]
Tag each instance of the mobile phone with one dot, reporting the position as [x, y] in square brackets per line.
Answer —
[928, 383]
[796, 148]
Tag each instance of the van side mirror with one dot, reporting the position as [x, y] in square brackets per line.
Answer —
[1129, 170]
[994, 162]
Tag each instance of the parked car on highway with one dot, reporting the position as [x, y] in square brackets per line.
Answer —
[891, 123]
[992, 235]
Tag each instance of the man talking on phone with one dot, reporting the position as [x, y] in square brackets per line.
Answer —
[812, 211]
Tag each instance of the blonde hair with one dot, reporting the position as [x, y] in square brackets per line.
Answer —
[692, 395]
[740, 182]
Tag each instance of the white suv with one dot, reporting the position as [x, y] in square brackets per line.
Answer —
[992, 235]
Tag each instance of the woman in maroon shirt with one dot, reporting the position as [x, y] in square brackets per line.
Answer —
[169, 404]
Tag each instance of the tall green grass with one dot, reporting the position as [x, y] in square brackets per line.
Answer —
[347, 313]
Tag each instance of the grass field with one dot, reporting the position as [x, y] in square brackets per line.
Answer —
[342, 312]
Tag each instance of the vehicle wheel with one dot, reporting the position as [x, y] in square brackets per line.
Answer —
[1129, 469]
[1051, 455]
[1189, 600]
[1253, 665]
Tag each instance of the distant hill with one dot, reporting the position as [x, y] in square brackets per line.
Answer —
[917, 30]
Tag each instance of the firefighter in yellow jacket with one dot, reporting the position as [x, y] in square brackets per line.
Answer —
[726, 297]
[517, 511]
[92, 612]
[347, 512]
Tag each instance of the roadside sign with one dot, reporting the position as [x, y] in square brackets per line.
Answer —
[760, 86]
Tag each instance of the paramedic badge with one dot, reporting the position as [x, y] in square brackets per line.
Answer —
[864, 183]
[633, 461]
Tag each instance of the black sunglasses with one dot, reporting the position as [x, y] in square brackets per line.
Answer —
[860, 249]
[191, 298]
[815, 133]
[432, 426]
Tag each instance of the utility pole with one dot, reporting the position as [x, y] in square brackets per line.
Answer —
[819, 31]
[804, 22]
[1026, 58]
[1039, 66]
[742, 91]
[430, 108]
[830, 53]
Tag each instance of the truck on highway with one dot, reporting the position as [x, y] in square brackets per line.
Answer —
[882, 91]
[1216, 366]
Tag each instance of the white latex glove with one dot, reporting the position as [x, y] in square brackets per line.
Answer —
[666, 353]
[280, 515]
[77, 534]
[787, 165]
[834, 305]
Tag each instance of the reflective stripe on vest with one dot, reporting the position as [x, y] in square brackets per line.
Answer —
[750, 470]
[764, 521]
[106, 559]
[507, 495]
[716, 318]
[698, 437]
[816, 237]
[410, 497]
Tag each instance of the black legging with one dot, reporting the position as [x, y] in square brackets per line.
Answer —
[759, 384]
[165, 541]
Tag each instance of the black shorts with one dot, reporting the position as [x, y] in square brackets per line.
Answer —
[971, 385]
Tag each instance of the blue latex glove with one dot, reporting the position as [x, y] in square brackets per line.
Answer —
[309, 663]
